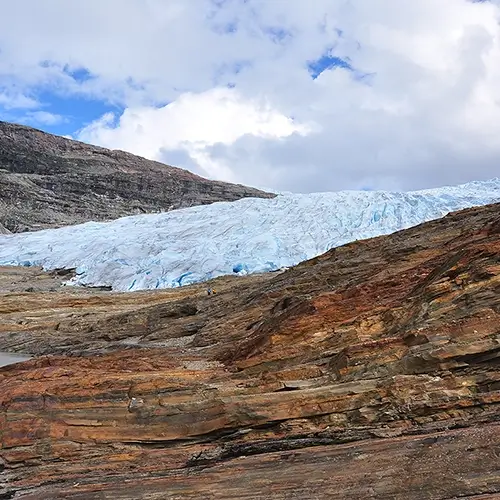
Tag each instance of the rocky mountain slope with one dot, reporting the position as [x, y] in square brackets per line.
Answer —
[371, 371]
[50, 181]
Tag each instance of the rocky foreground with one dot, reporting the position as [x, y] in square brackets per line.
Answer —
[369, 372]
[49, 181]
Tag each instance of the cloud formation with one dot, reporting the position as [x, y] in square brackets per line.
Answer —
[291, 95]
[192, 123]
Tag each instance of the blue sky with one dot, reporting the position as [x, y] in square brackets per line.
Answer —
[76, 111]
[288, 95]
[58, 111]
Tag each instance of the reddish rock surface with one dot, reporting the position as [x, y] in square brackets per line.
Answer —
[369, 372]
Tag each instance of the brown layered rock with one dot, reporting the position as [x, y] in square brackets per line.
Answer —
[49, 181]
[368, 372]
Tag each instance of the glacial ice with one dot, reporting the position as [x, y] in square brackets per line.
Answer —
[247, 236]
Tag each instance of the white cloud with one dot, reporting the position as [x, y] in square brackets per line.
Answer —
[192, 123]
[15, 100]
[429, 114]
[44, 117]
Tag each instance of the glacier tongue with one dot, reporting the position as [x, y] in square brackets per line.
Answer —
[246, 236]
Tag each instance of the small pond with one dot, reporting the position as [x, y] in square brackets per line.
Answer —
[9, 358]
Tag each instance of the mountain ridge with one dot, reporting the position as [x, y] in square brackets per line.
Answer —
[51, 181]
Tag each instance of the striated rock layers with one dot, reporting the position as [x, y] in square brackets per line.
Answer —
[50, 181]
[371, 371]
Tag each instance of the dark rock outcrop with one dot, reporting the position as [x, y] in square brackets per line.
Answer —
[50, 181]
[371, 371]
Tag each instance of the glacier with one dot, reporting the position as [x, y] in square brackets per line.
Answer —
[251, 235]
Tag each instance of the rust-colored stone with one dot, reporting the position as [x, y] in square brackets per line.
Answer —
[368, 372]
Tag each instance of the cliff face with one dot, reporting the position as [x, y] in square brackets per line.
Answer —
[49, 181]
[368, 372]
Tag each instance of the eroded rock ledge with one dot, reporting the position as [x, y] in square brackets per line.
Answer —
[369, 372]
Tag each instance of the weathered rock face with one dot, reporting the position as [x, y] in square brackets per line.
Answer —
[49, 181]
[368, 372]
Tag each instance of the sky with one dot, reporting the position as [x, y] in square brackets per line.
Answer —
[286, 95]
